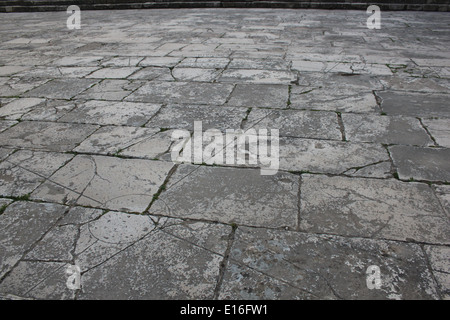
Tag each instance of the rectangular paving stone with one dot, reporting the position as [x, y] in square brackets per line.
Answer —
[61, 88]
[230, 195]
[10, 70]
[78, 61]
[42, 72]
[113, 73]
[274, 264]
[195, 74]
[116, 263]
[153, 73]
[111, 113]
[439, 257]
[293, 123]
[106, 182]
[17, 108]
[110, 140]
[5, 124]
[122, 62]
[439, 130]
[272, 96]
[48, 136]
[35, 218]
[266, 64]
[335, 157]
[25, 170]
[385, 129]
[257, 76]
[184, 116]
[110, 89]
[429, 164]
[412, 84]
[382, 209]
[206, 63]
[4, 153]
[182, 92]
[13, 87]
[443, 193]
[414, 104]
[49, 110]
[160, 62]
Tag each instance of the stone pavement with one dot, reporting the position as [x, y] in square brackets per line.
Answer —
[87, 178]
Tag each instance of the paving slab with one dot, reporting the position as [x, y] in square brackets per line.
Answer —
[430, 164]
[272, 264]
[297, 124]
[184, 116]
[335, 157]
[25, 170]
[439, 257]
[4, 125]
[230, 195]
[385, 130]
[258, 76]
[110, 89]
[372, 208]
[439, 130]
[17, 108]
[48, 136]
[36, 218]
[414, 104]
[61, 88]
[13, 87]
[273, 96]
[105, 182]
[112, 113]
[183, 93]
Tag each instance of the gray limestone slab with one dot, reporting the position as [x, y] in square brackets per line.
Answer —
[78, 61]
[4, 153]
[49, 110]
[207, 63]
[176, 260]
[25, 170]
[230, 195]
[439, 130]
[299, 124]
[430, 164]
[183, 93]
[260, 96]
[10, 70]
[258, 76]
[110, 89]
[385, 129]
[112, 113]
[17, 108]
[61, 88]
[13, 87]
[272, 264]
[153, 73]
[160, 62]
[184, 116]
[443, 193]
[36, 218]
[195, 74]
[372, 208]
[113, 73]
[106, 182]
[413, 84]
[439, 257]
[266, 64]
[6, 124]
[414, 104]
[48, 136]
[335, 157]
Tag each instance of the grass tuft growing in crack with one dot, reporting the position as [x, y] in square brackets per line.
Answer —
[3, 208]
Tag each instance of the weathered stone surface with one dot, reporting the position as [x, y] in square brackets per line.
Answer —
[195, 74]
[61, 88]
[105, 182]
[17, 108]
[112, 113]
[257, 76]
[215, 63]
[36, 218]
[303, 266]
[439, 257]
[153, 73]
[230, 195]
[160, 61]
[414, 104]
[439, 130]
[12, 87]
[385, 129]
[443, 193]
[175, 261]
[383, 209]
[50, 110]
[110, 89]
[6, 124]
[25, 170]
[10, 70]
[429, 164]
[321, 156]
[48, 136]
[113, 73]
[412, 84]
[298, 124]
[272, 96]
[184, 116]
[183, 93]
